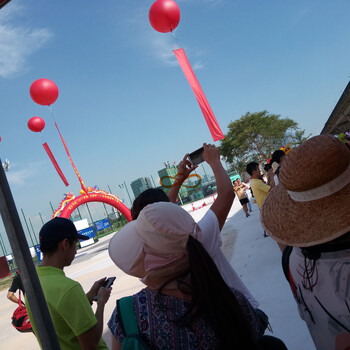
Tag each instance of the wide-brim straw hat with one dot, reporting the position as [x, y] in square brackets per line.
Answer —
[311, 205]
[154, 246]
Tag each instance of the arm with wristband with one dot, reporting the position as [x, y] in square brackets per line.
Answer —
[184, 169]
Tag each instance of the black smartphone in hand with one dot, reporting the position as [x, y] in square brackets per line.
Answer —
[196, 157]
[107, 284]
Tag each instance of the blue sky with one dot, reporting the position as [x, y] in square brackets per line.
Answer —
[125, 106]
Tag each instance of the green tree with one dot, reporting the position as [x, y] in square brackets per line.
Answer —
[255, 136]
[298, 138]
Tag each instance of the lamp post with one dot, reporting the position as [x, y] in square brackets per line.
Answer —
[25, 220]
[104, 205]
[3, 245]
[31, 225]
[88, 209]
[127, 191]
[206, 176]
[53, 210]
[123, 186]
[42, 221]
[79, 213]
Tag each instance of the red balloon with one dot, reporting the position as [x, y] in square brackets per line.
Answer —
[36, 124]
[44, 92]
[164, 15]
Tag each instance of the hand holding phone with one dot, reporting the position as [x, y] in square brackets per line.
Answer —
[107, 284]
[196, 157]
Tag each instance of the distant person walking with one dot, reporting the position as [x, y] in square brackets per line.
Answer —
[276, 161]
[20, 322]
[259, 188]
[15, 285]
[243, 199]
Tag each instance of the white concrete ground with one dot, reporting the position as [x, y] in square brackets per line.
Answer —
[255, 258]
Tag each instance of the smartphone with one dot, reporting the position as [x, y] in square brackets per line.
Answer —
[107, 284]
[196, 157]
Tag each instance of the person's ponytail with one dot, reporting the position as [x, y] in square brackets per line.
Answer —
[212, 297]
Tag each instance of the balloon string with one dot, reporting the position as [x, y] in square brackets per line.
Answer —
[68, 154]
[42, 136]
[175, 38]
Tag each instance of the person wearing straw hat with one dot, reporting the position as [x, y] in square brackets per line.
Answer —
[186, 303]
[309, 210]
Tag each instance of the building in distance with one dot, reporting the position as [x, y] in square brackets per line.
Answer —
[141, 184]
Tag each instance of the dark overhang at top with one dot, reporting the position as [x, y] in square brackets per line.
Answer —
[3, 3]
[339, 120]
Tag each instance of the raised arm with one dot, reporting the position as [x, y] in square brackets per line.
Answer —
[184, 169]
[226, 194]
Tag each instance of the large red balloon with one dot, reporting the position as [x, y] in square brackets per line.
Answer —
[36, 124]
[164, 15]
[44, 92]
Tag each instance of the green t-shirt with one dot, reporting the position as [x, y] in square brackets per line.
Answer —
[69, 307]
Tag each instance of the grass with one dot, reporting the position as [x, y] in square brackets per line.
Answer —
[5, 283]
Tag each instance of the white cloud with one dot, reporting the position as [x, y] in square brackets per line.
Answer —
[162, 48]
[198, 65]
[19, 175]
[17, 43]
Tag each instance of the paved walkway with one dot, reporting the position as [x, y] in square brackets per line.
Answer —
[256, 259]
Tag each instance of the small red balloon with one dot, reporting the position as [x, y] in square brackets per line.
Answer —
[36, 124]
[44, 92]
[164, 15]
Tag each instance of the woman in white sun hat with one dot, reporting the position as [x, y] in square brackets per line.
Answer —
[186, 303]
[310, 211]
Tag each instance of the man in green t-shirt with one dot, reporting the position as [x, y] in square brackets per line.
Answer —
[76, 326]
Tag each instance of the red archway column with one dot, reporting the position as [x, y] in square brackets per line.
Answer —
[95, 197]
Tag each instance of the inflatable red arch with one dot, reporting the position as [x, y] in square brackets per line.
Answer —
[70, 203]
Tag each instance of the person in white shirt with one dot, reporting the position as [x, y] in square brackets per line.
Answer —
[309, 211]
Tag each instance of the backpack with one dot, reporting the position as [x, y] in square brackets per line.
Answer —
[132, 340]
[20, 318]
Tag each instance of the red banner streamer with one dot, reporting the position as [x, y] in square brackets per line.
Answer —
[71, 160]
[53, 160]
[209, 116]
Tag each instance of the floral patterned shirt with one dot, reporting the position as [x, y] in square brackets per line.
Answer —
[156, 313]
